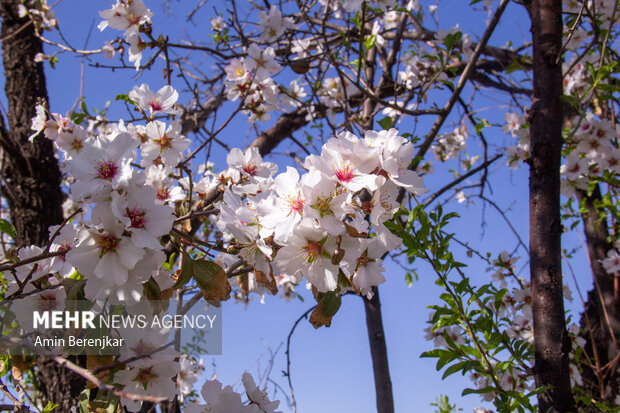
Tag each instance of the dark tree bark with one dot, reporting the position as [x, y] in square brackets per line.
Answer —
[378, 352]
[29, 171]
[31, 177]
[601, 318]
[551, 342]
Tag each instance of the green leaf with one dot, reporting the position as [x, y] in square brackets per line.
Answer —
[8, 228]
[409, 280]
[327, 306]
[460, 366]
[77, 118]
[49, 407]
[331, 303]
[370, 41]
[487, 389]
[386, 123]
[125, 98]
[84, 108]
[186, 270]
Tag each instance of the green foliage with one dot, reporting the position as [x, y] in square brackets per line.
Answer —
[467, 319]
[443, 405]
[8, 228]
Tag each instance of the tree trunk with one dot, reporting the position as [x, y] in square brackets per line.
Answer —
[378, 352]
[29, 171]
[601, 318]
[551, 342]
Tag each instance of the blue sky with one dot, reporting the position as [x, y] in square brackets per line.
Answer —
[331, 367]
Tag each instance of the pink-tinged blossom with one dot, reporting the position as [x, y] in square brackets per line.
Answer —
[521, 328]
[325, 203]
[189, 372]
[105, 254]
[272, 25]
[308, 252]
[217, 24]
[513, 122]
[125, 15]
[161, 102]
[165, 145]
[362, 262]
[147, 380]
[38, 269]
[612, 262]
[257, 396]
[157, 176]
[340, 162]
[236, 72]
[108, 51]
[72, 141]
[136, 45]
[38, 122]
[103, 165]
[383, 204]
[503, 266]
[575, 166]
[451, 144]
[239, 220]
[396, 155]
[390, 19]
[220, 400]
[248, 166]
[284, 212]
[65, 240]
[47, 300]
[145, 219]
[262, 62]
[293, 96]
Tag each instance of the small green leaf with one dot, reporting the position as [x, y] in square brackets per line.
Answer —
[186, 270]
[8, 228]
[370, 41]
[478, 391]
[49, 407]
[386, 123]
[125, 98]
[331, 303]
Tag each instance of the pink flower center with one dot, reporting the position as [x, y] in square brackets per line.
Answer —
[137, 217]
[164, 143]
[133, 19]
[47, 302]
[296, 204]
[163, 193]
[250, 169]
[145, 376]
[107, 244]
[64, 248]
[107, 170]
[77, 145]
[344, 172]
[313, 251]
[155, 105]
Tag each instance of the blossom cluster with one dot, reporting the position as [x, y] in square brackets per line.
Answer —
[130, 16]
[250, 79]
[326, 225]
[220, 399]
[117, 247]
